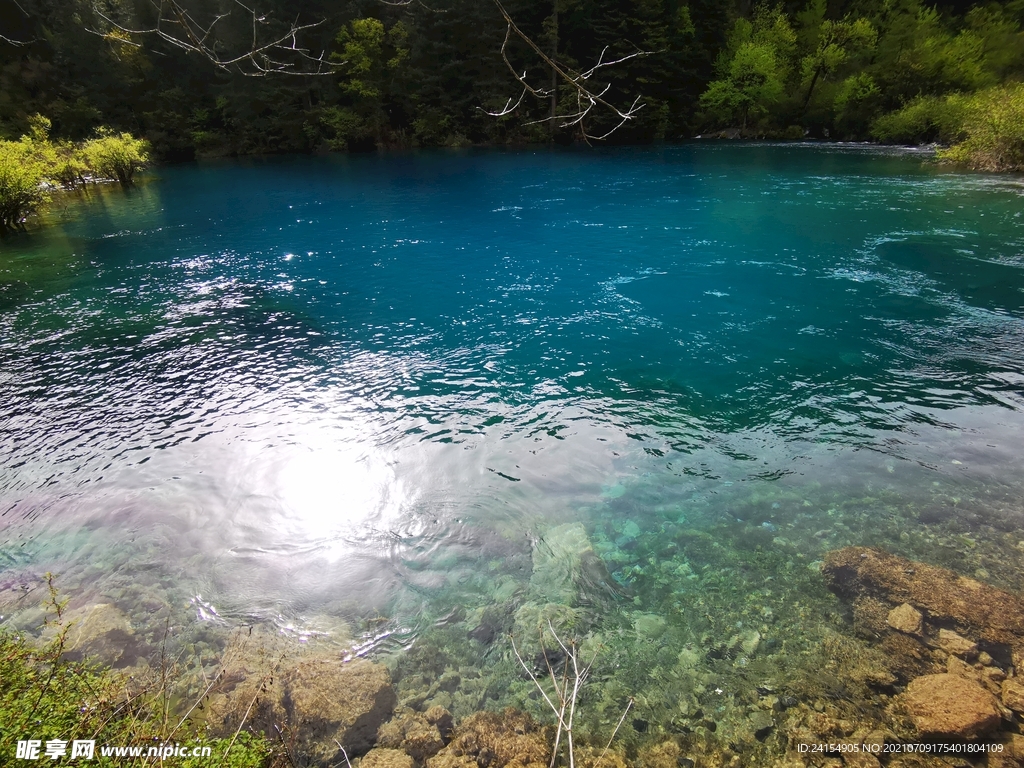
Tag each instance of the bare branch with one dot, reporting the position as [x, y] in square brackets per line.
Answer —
[587, 98]
[280, 54]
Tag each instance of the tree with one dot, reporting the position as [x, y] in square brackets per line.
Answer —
[753, 70]
[836, 42]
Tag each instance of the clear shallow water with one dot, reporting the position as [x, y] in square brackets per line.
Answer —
[312, 387]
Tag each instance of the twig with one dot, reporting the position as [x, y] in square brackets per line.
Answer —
[609, 744]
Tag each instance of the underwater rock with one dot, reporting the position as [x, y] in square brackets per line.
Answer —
[950, 707]
[386, 758]
[957, 645]
[561, 558]
[332, 702]
[663, 755]
[309, 693]
[415, 733]
[971, 608]
[905, 618]
[495, 740]
[102, 632]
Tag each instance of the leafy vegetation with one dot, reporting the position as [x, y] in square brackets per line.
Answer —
[34, 164]
[47, 697]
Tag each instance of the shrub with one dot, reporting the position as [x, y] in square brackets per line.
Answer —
[117, 156]
[992, 131]
[21, 177]
[927, 118]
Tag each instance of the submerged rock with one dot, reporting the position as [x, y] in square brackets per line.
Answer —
[103, 633]
[957, 645]
[386, 758]
[559, 559]
[314, 697]
[1013, 694]
[971, 608]
[906, 618]
[950, 707]
[417, 734]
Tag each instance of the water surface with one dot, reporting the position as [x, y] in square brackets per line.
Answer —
[298, 389]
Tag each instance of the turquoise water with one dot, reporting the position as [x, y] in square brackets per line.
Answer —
[299, 389]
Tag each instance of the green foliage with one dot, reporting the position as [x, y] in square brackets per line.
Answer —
[246, 751]
[888, 69]
[753, 70]
[928, 118]
[21, 178]
[117, 156]
[44, 696]
[992, 126]
[752, 85]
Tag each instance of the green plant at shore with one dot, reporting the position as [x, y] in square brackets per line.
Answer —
[46, 696]
[116, 156]
[993, 131]
[34, 164]
[985, 130]
[21, 179]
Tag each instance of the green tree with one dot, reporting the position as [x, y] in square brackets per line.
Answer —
[836, 42]
[370, 60]
[753, 70]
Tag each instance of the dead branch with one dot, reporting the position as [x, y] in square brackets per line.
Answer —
[277, 53]
[587, 98]
[566, 692]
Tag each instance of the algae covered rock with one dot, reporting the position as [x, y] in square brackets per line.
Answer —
[1013, 694]
[102, 632]
[314, 697]
[957, 645]
[495, 740]
[948, 706]
[416, 733]
[560, 557]
[328, 701]
[386, 758]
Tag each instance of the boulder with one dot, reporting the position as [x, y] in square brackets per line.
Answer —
[103, 633]
[957, 645]
[331, 702]
[906, 618]
[386, 758]
[415, 733]
[950, 707]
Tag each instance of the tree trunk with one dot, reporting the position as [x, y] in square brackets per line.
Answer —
[810, 90]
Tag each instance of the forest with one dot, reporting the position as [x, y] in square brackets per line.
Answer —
[199, 78]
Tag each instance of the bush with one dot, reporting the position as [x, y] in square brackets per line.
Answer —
[925, 119]
[117, 156]
[21, 178]
[992, 131]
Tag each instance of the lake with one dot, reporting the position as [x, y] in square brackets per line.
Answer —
[403, 400]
